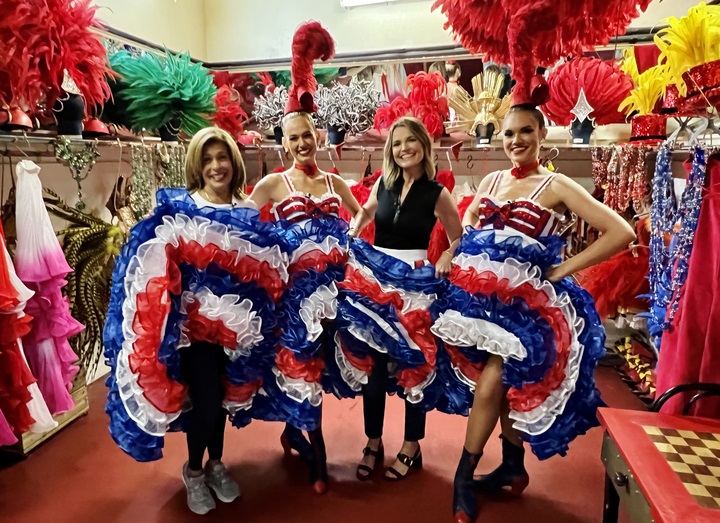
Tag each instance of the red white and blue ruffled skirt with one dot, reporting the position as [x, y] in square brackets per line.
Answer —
[186, 275]
[549, 336]
[309, 359]
[384, 307]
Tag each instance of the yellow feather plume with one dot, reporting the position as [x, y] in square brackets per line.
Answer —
[650, 87]
[689, 41]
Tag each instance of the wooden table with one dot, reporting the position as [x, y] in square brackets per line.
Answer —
[664, 468]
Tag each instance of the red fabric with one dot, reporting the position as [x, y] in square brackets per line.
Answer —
[153, 306]
[438, 237]
[288, 364]
[690, 349]
[241, 393]
[646, 56]
[200, 328]
[604, 84]
[629, 269]
[246, 268]
[468, 368]
[310, 42]
[318, 260]
[308, 170]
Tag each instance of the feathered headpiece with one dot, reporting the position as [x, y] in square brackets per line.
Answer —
[310, 42]
[528, 35]
[605, 87]
[486, 106]
[44, 43]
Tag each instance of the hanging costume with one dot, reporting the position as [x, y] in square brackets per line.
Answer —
[188, 275]
[22, 406]
[41, 265]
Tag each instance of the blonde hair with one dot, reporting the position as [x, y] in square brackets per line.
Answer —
[290, 116]
[194, 160]
[391, 170]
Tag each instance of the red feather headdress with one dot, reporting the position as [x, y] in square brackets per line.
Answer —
[310, 42]
[527, 34]
[44, 38]
[604, 84]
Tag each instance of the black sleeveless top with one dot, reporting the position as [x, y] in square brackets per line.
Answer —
[407, 226]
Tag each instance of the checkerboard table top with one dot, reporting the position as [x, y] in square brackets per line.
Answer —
[659, 463]
[695, 458]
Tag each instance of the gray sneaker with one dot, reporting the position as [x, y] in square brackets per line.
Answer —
[199, 499]
[218, 479]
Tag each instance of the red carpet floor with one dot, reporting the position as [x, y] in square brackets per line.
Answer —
[81, 476]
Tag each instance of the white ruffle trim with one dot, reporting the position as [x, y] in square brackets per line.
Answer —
[235, 313]
[320, 305]
[329, 244]
[149, 262]
[352, 376]
[458, 330]
[299, 389]
[451, 324]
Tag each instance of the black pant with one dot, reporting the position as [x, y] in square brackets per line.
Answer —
[374, 397]
[202, 365]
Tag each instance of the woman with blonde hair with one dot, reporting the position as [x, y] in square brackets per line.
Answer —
[389, 288]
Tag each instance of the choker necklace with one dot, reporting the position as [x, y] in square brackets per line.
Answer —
[521, 171]
[309, 170]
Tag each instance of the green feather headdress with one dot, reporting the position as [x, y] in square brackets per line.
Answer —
[158, 89]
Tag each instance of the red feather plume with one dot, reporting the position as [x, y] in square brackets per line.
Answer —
[605, 86]
[530, 34]
[229, 115]
[43, 38]
[310, 42]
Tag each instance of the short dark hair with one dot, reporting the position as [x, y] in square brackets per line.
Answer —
[534, 111]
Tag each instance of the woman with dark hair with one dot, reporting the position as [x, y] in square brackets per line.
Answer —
[514, 317]
[405, 203]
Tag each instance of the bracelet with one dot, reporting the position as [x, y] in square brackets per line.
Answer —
[447, 251]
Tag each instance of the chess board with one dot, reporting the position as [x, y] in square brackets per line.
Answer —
[695, 458]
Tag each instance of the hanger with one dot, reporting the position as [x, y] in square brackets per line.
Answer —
[280, 156]
[329, 152]
[368, 167]
[552, 155]
[18, 147]
[447, 155]
[470, 162]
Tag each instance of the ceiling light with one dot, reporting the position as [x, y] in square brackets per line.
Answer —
[358, 3]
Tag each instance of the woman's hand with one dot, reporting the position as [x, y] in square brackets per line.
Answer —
[443, 265]
[555, 273]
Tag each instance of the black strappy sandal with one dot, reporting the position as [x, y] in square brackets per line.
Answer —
[410, 463]
[364, 472]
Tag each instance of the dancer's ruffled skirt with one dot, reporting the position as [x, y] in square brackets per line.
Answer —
[549, 336]
[189, 274]
[310, 359]
[385, 308]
